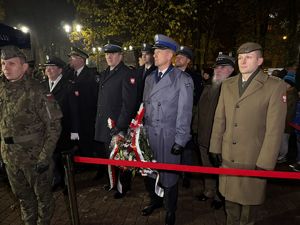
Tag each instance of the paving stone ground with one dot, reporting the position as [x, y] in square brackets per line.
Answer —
[98, 207]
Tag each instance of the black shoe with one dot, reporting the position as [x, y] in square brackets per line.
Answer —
[106, 187]
[216, 204]
[148, 210]
[119, 195]
[170, 218]
[202, 197]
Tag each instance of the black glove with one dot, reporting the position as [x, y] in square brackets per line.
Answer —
[176, 149]
[215, 159]
[41, 167]
[114, 131]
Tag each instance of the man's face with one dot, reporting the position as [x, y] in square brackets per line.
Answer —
[181, 61]
[147, 57]
[52, 72]
[76, 62]
[113, 59]
[162, 57]
[13, 68]
[221, 72]
[249, 62]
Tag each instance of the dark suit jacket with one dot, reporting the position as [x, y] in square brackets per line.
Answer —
[85, 88]
[117, 100]
[141, 74]
[198, 85]
[64, 96]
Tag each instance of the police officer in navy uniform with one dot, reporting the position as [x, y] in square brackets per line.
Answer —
[85, 88]
[183, 61]
[117, 100]
[146, 69]
[184, 57]
[168, 99]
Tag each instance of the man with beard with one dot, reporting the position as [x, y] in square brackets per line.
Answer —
[203, 122]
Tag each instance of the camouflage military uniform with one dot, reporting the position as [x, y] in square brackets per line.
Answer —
[30, 128]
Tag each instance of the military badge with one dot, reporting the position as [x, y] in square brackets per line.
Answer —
[50, 97]
[284, 98]
[76, 93]
[132, 80]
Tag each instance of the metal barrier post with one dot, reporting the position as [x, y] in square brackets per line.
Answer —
[69, 172]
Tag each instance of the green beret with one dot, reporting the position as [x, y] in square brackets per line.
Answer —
[11, 51]
[249, 47]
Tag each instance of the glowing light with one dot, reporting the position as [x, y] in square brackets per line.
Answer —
[67, 28]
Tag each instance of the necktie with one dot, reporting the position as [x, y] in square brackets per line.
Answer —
[160, 75]
[51, 85]
[75, 73]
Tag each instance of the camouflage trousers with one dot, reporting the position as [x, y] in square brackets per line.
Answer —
[34, 193]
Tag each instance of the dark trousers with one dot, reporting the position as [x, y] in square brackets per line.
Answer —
[170, 198]
[170, 195]
[150, 187]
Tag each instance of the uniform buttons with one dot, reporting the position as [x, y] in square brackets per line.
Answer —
[102, 86]
[157, 120]
[159, 104]
[235, 125]
[237, 106]
[232, 160]
[234, 142]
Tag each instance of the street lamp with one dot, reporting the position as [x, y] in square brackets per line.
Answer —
[78, 27]
[284, 37]
[24, 29]
[67, 28]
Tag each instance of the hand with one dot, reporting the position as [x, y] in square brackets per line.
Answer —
[176, 149]
[114, 131]
[215, 159]
[41, 167]
[74, 136]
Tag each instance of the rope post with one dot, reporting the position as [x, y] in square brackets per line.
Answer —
[69, 172]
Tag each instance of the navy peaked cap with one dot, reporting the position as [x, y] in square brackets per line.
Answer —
[147, 48]
[225, 60]
[164, 42]
[186, 51]
[78, 52]
[55, 61]
[111, 48]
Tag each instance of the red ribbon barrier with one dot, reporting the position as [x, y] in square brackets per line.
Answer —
[194, 169]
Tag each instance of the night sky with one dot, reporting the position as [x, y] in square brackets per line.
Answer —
[44, 17]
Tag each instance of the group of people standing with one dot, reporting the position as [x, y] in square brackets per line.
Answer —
[237, 122]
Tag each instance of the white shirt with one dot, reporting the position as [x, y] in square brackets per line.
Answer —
[54, 82]
[79, 71]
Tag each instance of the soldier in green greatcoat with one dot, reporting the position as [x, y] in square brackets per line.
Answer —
[29, 129]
